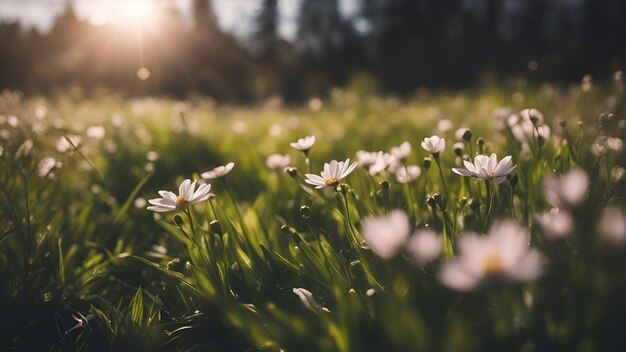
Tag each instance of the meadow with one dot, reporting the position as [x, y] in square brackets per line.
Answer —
[518, 251]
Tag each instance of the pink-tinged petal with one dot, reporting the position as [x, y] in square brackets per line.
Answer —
[191, 190]
[168, 195]
[182, 190]
[462, 172]
[349, 170]
[161, 201]
[529, 268]
[453, 276]
[503, 165]
[481, 161]
[326, 173]
[201, 198]
[229, 167]
[469, 166]
[314, 177]
[493, 162]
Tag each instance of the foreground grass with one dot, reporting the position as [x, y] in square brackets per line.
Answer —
[84, 266]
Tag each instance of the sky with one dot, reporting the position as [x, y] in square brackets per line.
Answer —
[233, 15]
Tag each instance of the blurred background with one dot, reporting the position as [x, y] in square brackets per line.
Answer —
[248, 50]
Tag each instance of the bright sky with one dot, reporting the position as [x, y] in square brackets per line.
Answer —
[233, 15]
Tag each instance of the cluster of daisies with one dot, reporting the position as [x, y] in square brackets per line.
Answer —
[502, 255]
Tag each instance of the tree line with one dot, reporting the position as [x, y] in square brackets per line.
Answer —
[385, 45]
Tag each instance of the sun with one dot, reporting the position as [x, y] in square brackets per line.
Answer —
[138, 12]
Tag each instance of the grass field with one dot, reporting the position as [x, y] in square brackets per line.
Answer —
[266, 261]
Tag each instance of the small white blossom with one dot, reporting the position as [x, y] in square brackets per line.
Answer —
[63, 145]
[367, 159]
[460, 132]
[611, 226]
[187, 195]
[532, 114]
[386, 235]
[277, 161]
[306, 297]
[434, 144]
[555, 224]
[503, 255]
[444, 125]
[95, 132]
[304, 144]
[424, 246]
[524, 132]
[568, 190]
[13, 121]
[487, 168]
[218, 172]
[46, 165]
[333, 172]
[402, 151]
[408, 174]
[384, 162]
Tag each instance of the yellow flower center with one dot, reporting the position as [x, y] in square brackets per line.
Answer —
[180, 201]
[330, 181]
[492, 265]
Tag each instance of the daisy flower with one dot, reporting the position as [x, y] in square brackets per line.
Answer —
[487, 168]
[503, 255]
[402, 151]
[386, 235]
[278, 161]
[408, 174]
[434, 144]
[218, 172]
[333, 172]
[566, 191]
[424, 246]
[187, 195]
[555, 224]
[304, 144]
[611, 225]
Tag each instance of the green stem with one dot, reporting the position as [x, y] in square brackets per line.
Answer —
[443, 180]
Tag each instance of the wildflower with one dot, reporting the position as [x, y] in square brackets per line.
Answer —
[277, 161]
[401, 152]
[304, 144]
[568, 190]
[13, 121]
[386, 235]
[333, 172]
[504, 255]
[533, 115]
[187, 195]
[95, 132]
[424, 246]
[434, 144]
[444, 125]
[487, 168]
[555, 224]
[408, 174]
[384, 161]
[64, 145]
[524, 131]
[612, 226]
[46, 165]
[463, 133]
[306, 297]
[218, 172]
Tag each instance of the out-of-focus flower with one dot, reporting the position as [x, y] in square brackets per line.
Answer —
[63, 145]
[500, 116]
[533, 115]
[304, 144]
[424, 246]
[444, 125]
[434, 144]
[384, 162]
[402, 151]
[333, 172]
[95, 132]
[386, 235]
[277, 161]
[604, 144]
[25, 148]
[187, 195]
[13, 121]
[367, 159]
[408, 174]
[461, 133]
[218, 172]
[46, 165]
[306, 297]
[611, 225]
[566, 191]
[555, 224]
[487, 168]
[524, 132]
[503, 255]
[152, 155]
[139, 202]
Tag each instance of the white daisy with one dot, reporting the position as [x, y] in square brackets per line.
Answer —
[503, 255]
[402, 151]
[386, 235]
[187, 195]
[277, 161]
[306, 297]
[555, 224]
[434, 144]
[333, 172]
[424, 246]
[611, 225]
[303, 144]
[487, 168]
[218, 172]
[532, 114]
[408, 174]
[568, 190]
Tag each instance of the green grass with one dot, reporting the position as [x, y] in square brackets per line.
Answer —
[84, 266]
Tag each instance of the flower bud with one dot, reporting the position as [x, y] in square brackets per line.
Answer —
[291, 171]
[178, 220]
[474, 204]
[431, 201]
[440, 200]
[286, 230]
[467, 136]
[426, 163]
[384, 185]
[216, 227]
[462, 201]
[305, 211]
[458, 149]
[343, 188]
